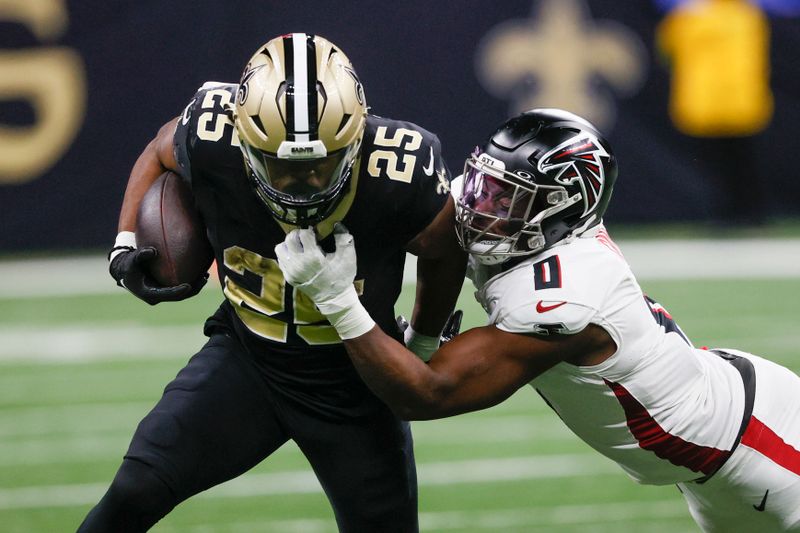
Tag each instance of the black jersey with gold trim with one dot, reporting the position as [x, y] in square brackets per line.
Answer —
[399, 184]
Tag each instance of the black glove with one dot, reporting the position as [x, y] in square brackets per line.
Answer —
[452, 326]
[127, 268]
[402, 323]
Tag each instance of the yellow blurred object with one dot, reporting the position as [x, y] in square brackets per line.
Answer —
[719, 51]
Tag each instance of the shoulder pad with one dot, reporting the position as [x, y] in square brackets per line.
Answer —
[404, 163]
[205, 131]
[559, 291]
[404, 152]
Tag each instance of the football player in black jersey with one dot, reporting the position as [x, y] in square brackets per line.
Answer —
[292, 145]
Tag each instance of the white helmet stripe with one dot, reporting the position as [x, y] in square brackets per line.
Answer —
[301, 88]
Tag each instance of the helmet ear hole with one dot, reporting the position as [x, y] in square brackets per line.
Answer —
[536, 242]
[556, 197]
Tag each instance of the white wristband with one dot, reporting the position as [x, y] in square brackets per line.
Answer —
[126, 240]
[423, 346]
[346, 313]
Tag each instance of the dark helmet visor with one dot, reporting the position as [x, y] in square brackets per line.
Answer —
[302, 180]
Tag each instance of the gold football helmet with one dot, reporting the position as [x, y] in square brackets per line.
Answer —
[300, 116]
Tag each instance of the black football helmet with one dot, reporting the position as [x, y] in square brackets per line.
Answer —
[543, 176]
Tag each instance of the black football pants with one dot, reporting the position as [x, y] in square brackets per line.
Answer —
[219, 418]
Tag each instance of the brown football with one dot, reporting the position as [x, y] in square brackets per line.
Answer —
[168, 221]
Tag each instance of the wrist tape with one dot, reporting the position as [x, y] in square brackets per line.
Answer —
[126, 242]
[346, 313]
[423, 346]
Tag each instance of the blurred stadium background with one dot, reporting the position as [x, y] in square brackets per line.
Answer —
[84, 85]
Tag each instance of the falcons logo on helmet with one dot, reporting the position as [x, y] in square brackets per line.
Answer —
[578, 160]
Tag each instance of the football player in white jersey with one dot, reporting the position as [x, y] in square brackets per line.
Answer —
[567, 316]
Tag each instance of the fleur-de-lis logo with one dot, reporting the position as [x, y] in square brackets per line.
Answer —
[359, 87]
[554, 58]
[443, 185]
[244, 87]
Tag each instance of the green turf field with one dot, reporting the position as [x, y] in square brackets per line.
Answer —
[78, 372]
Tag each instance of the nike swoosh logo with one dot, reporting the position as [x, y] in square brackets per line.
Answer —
[541, 308]
[428, 170]
[763, 503]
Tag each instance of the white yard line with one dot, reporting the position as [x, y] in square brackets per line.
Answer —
[68, 419]
[81, 342]
[710, 259]
[304, 481]
[535, 518]
[502, 520]
[75, 434]
[53, 424]
[656, 259]
[703, 259]
[49, 277]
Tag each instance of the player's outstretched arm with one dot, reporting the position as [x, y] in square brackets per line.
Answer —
[475, 370]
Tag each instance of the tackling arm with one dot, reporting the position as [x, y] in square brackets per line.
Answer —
[475, 370]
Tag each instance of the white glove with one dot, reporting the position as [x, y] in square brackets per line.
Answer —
[326, 278]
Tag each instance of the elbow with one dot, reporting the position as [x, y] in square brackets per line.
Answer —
[428, 405]
[411, 413]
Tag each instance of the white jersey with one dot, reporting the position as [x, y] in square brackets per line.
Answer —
[726, 431]
[665, 411]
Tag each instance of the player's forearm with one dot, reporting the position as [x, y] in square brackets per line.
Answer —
[441, 264]
[155, 159]
[405, 383]
[439, 283]
[146, 170]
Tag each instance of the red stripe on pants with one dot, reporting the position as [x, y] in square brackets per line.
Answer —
[766, 442]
